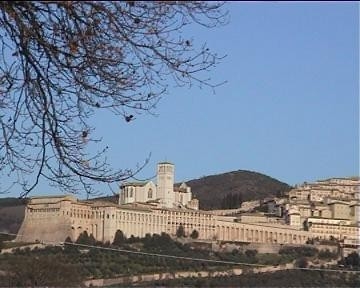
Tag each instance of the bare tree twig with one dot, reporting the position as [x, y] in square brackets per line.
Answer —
[60, 61]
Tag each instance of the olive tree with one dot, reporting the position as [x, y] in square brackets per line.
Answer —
[63, 61]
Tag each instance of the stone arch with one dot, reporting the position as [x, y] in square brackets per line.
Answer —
[233, 235]
[256, 236]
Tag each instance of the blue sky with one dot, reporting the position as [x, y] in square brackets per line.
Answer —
[289, 109]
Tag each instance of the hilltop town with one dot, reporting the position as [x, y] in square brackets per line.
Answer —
[323, 210]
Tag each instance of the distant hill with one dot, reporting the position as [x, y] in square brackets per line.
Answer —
[11, 201]
[247, 185]
[12, 211]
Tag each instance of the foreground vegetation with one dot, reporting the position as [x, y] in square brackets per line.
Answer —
[70, 265]
[286, 278]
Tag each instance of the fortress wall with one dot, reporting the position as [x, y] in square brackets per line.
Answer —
[55, 221]
[141, 222]
[44, 229]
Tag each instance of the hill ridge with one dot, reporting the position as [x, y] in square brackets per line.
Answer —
[212, 190]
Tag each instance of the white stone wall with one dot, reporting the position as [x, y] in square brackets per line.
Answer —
[163, 191]
[135, 192]
[102, 221]
[55, 218]
[340, 210]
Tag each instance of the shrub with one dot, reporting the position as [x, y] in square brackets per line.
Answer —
[119, 238]
[250, 253]
[353, 259]
[326, 254]
[299, 251]
[180, 232]
[194, 234]
[85, 239]
[68, 240]
[301, 262]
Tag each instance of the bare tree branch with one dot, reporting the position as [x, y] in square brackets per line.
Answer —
[60, 61]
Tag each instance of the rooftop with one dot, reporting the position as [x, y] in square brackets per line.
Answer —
[139, 183]
[165, 162]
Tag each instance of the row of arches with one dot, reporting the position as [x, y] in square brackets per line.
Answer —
[258, 235]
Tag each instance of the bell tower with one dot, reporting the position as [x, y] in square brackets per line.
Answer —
[165, 183]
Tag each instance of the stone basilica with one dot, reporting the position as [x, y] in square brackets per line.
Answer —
[146, 207]
[165, 194]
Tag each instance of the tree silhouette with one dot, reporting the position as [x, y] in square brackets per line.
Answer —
[180, 232]
[353, 259]
[231, 201]
[68, 240]
[63, 61]
[194, 234]
[85, 239]
[119, 238]
[301, 262]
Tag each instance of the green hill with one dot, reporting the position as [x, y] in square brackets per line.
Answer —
[216, 191]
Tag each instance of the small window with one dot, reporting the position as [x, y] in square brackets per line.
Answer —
[150, 193]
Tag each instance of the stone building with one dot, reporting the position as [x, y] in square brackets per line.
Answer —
[332, 228]
[164, 192]
[57, 217]
[328, 208]
[145, 207]
[337, 188]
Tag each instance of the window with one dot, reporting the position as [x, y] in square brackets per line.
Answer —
[150, 193]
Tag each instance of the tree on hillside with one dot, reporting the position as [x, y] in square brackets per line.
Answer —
[353, 259]
[63, 61]
[41, 271]
[194, 234]
[180, 232]
[68, 239]
[85, 239]
[301, 262]
[119, 238]
[231, 201]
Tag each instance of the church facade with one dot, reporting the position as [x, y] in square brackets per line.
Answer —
[164, 193]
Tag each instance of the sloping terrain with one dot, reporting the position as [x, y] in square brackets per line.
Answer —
[12, 212]
[215, 191]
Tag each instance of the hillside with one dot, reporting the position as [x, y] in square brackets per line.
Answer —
[247, 185]
[12, 212]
